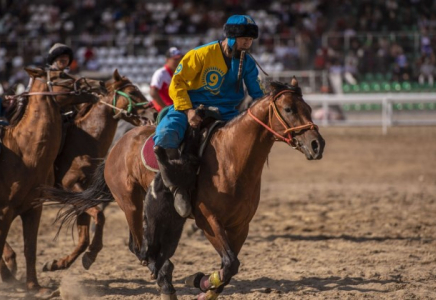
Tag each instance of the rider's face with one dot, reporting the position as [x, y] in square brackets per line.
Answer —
[243, 43]
[62, 61]
[174, 62]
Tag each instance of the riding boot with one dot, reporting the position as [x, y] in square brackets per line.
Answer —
[182, 201]
[174, 174]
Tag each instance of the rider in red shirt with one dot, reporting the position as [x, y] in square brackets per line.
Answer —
[161, 79]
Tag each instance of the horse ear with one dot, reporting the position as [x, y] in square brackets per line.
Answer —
[117, 76]
[34, 72]
[294, 82]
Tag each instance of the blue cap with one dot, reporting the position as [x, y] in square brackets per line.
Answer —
[240, 26]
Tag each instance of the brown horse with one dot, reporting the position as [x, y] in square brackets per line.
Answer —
[28, 152]
[228, 187]
[86, 144]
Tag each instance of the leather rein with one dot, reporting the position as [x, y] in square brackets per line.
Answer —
[75, 91]
[273, 111]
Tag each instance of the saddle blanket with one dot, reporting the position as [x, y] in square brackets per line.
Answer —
[147, 155]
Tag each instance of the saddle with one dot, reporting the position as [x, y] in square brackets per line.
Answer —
[195, 139]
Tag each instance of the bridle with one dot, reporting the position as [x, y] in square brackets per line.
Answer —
[53, 94]
[130, 106]
[76, 91]
[273, 111]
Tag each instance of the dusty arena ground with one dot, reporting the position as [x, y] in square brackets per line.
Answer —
[359, 224]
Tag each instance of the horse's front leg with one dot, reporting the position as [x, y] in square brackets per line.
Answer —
[65, 262]
[31, 219]
[227, 244]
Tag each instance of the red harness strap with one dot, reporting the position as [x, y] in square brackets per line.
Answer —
[288, 130]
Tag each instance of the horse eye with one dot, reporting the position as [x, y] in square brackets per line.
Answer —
[288, 110]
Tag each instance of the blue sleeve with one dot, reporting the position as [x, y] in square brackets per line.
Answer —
[252, 80]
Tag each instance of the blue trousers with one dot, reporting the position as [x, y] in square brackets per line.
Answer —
[171, 129]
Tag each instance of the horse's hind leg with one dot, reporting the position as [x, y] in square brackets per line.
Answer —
[65, 262]
[97, 241]
[163, 225]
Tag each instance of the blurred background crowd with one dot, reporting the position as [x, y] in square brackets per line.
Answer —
[334, 46]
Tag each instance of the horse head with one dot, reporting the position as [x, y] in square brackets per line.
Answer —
[67, 89]
[290, 118]
[130, 104]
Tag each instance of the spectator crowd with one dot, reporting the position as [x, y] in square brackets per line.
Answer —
[347, 38]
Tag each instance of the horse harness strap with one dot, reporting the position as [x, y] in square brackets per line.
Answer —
[131, 104]
[75, 91]
[52, 93]
[272, 110]
[25, 94]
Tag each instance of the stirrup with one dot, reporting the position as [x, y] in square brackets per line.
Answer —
[182, 202]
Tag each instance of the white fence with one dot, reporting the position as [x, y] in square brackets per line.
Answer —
[387, 102]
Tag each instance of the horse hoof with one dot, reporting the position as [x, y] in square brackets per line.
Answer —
[8, 277]
[168, 297]
[194, 280]
[87, 261]
[45, 293]
[202, 296]
[12, 267]
[209, 295]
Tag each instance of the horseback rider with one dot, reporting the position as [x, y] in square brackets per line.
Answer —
[209, 75]
[59, 57]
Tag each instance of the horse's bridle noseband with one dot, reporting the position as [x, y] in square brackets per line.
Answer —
[131, 104]
[272, 110]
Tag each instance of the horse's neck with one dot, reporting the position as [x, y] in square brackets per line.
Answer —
[40, 125]
[99, 122]
[246, 142]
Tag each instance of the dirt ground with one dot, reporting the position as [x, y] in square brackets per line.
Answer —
[359, 224]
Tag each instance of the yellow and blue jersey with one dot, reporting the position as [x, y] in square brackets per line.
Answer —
[203, 77]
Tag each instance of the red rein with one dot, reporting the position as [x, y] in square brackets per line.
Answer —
[288, 130]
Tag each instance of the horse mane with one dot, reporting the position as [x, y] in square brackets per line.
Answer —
[277, 87]
[16, 109]
[274, 88]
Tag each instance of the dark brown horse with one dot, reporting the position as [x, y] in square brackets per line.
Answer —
[86, 144]
[228, 187]
[28, 153]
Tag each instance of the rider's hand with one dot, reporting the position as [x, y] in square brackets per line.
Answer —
[194, 120]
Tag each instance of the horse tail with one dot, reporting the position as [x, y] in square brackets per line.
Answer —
[76, 203]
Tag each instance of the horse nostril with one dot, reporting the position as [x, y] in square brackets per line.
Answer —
[315, 146]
